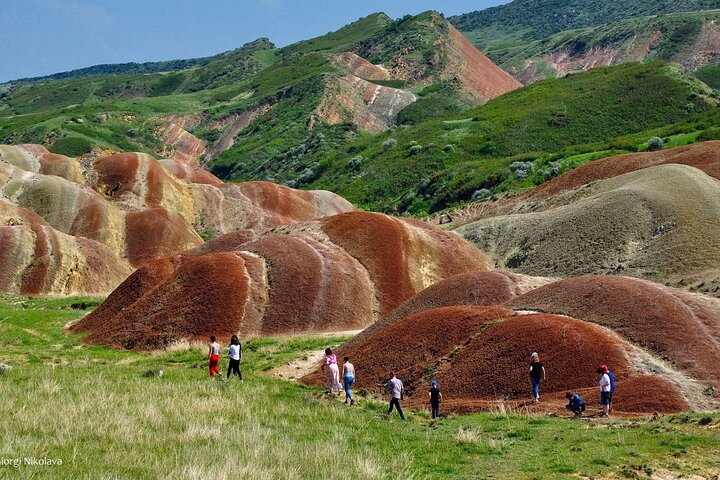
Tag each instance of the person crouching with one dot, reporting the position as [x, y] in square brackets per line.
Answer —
[575, 404]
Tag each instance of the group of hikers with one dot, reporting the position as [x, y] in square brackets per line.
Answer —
[338, 380]
[576, 404]
[234, 353]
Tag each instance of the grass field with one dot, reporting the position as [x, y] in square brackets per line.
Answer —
[107, 414]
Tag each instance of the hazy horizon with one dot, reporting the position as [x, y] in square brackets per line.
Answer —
[43, 37]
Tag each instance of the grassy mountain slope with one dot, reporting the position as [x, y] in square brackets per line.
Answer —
[261, 112]
[46, 95]
[128, 68]
[710, 75]
[126, 112]
[419, 55]
[690, 39]
[523, 20]
[436, 164]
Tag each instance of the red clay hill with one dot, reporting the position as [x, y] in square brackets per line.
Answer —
[474, 333]
[338, 273]
[138, 208]
[704, 156]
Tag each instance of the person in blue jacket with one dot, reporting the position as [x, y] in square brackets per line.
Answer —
[575, 404]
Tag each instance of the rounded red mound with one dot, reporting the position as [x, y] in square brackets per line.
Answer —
[480, 356]
[472, 288]
[297, 279]
[415, 347]
[704, 156]
[682, 328]
[402, 257]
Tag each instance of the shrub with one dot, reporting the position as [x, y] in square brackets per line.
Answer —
[389, 144]
[208, 234]
[488, 148]
[355, 162]
[480, 194]
[709, 134]
[555, 168]
[307, 176]
[414, 149]
[518, 167]
[71, 146]
[655, 143]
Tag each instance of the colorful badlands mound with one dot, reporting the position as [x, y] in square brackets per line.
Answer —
[480, 355]
[132, 204]
[660, 223]
[35, 258]
[663, 344]
[679, 327]
[335, 274]
[472, 288]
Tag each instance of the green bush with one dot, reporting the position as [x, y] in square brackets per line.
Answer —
[71, 146]
[655, 143]
[709, 134]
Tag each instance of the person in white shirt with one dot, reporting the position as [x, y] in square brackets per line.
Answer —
[605, 391]
[235, 353]
[397, 391]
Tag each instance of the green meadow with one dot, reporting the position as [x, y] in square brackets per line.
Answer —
[110, 414]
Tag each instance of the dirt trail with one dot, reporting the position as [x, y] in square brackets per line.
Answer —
[297, 369]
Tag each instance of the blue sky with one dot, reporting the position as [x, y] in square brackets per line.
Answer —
[39, 37]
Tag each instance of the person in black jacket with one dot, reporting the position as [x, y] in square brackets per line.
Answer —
[537, 375]
[435, 399]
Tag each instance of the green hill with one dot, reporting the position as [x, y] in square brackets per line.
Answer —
[519, 139]
[128, 68]
[688, 39]
[48, 93]
[524, 20]
[261, 112]
[126, 111]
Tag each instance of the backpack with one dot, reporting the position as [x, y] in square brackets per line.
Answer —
[612, 381]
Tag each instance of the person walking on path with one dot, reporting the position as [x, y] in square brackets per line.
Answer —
[214, 357]
[348, 376]
[605, 390]
[235, 353]
[332, 373]
[396, 389]
[537, 375]
[575, 404]
[435, 399]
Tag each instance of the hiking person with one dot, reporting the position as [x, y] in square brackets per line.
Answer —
[214, 357]
[605, 390]
[332, 373]
[611, 376]
[435, 399]
[396, 389]
[575, 404]
[348, 376]
[537, 375]
[235, 353]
